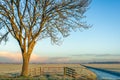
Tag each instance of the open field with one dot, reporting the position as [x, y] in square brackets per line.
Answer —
[112, 67]
[82, 72]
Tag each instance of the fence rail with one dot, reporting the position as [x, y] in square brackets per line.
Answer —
[70, 72]
[45, 70]
[35, 71]
[66, 71]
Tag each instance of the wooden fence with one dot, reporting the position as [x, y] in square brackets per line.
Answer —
[45, 70]
[70, 72]
[52, 70]
[35, 71]
[66, 71]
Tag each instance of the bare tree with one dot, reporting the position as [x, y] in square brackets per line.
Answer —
[31, 20]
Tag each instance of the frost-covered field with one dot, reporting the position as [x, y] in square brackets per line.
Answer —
[9, 69]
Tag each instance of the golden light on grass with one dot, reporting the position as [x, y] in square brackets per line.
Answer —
[81, 71]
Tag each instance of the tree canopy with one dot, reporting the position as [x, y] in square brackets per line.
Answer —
[31, 20]
[38, 19]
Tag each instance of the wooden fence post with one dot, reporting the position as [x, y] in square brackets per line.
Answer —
[64, 71]
[40, 70]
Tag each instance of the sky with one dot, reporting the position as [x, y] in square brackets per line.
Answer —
[101, 42]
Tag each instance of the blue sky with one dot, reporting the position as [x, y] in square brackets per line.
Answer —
[102, 38]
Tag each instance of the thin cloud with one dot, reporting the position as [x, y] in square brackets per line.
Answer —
[11, 57]
[95, 57]
[17, 57]
[58, 59]
[79, 55]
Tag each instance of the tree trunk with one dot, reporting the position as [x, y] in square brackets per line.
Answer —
[25, 65]
[26, 58]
